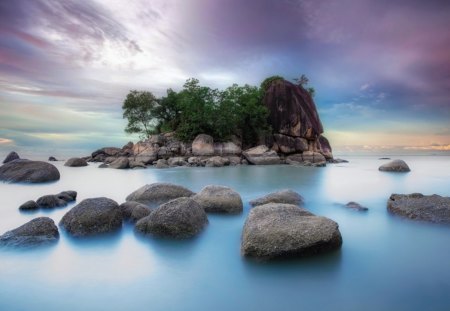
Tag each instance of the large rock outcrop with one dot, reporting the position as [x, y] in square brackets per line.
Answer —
[28, 171]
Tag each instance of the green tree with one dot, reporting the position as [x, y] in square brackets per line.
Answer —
[138, 108]
[311, 91]
[268, 81]
[302, 81]
[167, 112]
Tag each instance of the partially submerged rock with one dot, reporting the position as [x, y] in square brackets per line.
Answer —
[286, 196]
[39, 231]
[120, 163]
[395, 166]
[356, 206]
[285, 230]
[158, 193]
[93, 216]
[179, 218]
[133, 211]
[219, 199]
[28, 171]
[52, 159]
[50, 201]
[29, 206]
[76, 162]
[11, 157]
[261, 155]
[416, 206]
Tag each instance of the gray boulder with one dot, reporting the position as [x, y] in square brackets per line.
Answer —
[39, 231]
[158, 193]
[219, 199]
[133, 211]
[29, 206]
[416, 206]
[103, 165]
[28, 171]
[261, 155]
[179, 218]
[50, 201]
[286, 196]
[76, 162]
[395, 166]
[216, 161]
[67, 196]
[162, 163]
[93, 216]
[203, 145]
[284, 230]
[177, 161]
[120, 163]
[11, 157]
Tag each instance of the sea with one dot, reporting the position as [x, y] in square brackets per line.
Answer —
[386, 262]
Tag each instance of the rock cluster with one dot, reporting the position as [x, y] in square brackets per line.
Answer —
[50, 201]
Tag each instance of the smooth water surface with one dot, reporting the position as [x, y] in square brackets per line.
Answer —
[386, 263]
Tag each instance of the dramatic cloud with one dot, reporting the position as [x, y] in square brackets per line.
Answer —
[379, 67]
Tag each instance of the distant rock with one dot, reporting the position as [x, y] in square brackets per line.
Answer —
[261, 155]
[219, 199]
[203, 145]
[93, 216]
[337, 161]
[179, 218]
[216, 161]
[283, 230]
[416, 206]
[107, 152]
[177, 161]
[133, 211]
[162, 163]
[395, 166]
[11, 157]
[120, 163]
[28, 171]
[356, 206]
[76, 162]
[29, 206]
[384, 158]
[286, 196]
[39, 231]
[53, 159]
[158, 193]
[103, 165]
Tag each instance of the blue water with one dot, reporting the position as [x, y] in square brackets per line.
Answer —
[386, 263]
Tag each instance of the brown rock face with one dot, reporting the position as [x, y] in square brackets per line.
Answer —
[292, 111]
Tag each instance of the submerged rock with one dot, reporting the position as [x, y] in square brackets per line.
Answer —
[356, 206]
[395, 166]
[76, 162]
[416, 206]
[219, 199]
[39, 231]
[28, 171]
[11, 157]
[133, 211]
[179, 218]
[93, 216]
[284, 230]
[286, 196]
[158, 193]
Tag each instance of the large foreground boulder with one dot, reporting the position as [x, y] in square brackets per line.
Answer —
[76, 162]
[179, 218]
[219, 199]
[133, 211]
[93, 216]
[286, 196]
[11, 157]
[416, 206]
[395, 166]
[41, 230]
[158, 193]
[28, 171]
[261, 155]
[283, 230]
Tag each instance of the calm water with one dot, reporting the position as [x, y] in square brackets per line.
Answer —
[386, 263]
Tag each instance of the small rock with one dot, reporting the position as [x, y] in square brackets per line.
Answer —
[158, 193]
[52, 159]
[179, 218]
[29, 206]
[356, 206]
[11, 157]
[394, 166]
[219, 199]
[39, 231]
[76, 162]
[216, 161]
[67, 196]
[286, 196]
[103, 165]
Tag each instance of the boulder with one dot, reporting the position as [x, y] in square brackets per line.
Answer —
[195, 161]
[28, 171]
[282, 230]
[416, 206]
[261, 155]
[287, 144]
[394, 166]
[133, 211]
[76, 162]
[324, 147]
[179, 218]
[53, 159]
[203, 145]
[216, 161]
[162, 163]
[292, 110]
[29, 206]
[103, 165]
[227, 148]
[177, 161]
[106, 152]
[11, 157]
[219, 199]
[356, 206]
[39, 231]
[286, 196]
[67, 196]
[109, 160]
[93, 216]
[50, 201]
[132, 163]
[120, 163]
[145, 152]
[158, 193]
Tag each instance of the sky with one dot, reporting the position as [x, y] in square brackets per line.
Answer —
[381, 68]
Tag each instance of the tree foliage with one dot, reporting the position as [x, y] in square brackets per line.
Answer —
[138, 109]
